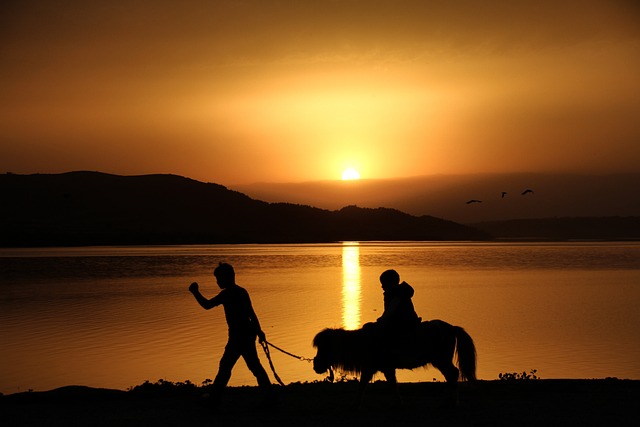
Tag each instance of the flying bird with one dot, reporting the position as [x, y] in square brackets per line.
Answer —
[527, 191]
[474, 201]
[504, 193]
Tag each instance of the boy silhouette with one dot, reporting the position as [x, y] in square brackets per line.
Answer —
[244, 327]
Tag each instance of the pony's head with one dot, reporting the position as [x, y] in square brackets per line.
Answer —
[345, 350]
[323, 342]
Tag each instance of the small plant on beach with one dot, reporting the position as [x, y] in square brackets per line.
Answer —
[523, 376]
[163, 386]
[345, 378]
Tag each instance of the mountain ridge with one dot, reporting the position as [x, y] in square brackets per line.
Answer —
[445, 196]
[95, 208]
[613, 228]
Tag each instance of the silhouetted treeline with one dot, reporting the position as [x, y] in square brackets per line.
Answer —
[92, 208]
[580, 228]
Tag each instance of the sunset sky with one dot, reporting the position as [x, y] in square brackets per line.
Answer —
[235, 92]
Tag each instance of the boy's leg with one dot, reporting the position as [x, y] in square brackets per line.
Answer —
[232, 353]
[250, 356]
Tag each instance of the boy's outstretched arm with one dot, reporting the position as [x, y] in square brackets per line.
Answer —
[204, 303]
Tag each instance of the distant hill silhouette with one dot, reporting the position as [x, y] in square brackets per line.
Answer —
[445, 196]
[92, 208]
[583, 228]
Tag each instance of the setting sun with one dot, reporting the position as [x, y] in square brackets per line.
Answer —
[350, 175]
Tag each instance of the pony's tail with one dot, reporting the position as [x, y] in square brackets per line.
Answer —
[466, 350]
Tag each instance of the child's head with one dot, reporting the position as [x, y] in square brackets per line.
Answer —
[225, 275]
[389, 278]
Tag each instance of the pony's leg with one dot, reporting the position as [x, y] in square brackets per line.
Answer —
[392, 382]
[451, 374]
[365, 378]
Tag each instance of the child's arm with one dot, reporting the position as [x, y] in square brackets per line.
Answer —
[390, 311]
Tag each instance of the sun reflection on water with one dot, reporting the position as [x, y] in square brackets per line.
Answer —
[351, 285]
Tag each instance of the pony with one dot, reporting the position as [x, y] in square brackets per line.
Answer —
[369, 350]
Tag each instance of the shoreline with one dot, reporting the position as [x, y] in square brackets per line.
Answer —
[532, 402]
[499, 239]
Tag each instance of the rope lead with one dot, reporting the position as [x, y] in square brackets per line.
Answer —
[289, 354]
[265, 346]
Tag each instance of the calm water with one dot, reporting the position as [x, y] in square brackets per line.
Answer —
[115, 317]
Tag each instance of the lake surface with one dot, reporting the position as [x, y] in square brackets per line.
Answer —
[117, 316]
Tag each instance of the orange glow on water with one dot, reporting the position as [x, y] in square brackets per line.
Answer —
[140, 322]
[351, 285]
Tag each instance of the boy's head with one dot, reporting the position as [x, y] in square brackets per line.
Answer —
[225, 275]
[389, 279]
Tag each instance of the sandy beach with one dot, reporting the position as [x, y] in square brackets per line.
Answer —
[538, 402]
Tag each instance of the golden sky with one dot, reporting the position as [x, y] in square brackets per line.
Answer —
[285, 91]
